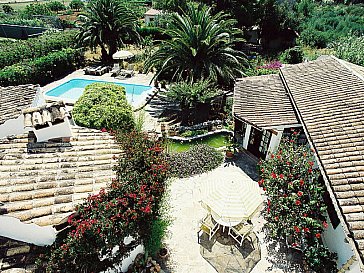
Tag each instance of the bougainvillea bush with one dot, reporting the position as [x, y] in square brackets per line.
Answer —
[198, 159]
[128, 207]
[295, 206]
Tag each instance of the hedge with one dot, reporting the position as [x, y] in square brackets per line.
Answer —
[44, 69]
[20, 50]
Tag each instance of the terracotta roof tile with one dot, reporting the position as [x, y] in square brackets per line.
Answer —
[13, 99]
[42, 182]
[263, 102]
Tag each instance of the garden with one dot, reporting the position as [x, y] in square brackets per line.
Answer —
[196, 51]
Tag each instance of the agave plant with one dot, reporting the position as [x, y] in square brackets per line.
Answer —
[108, 24]
[201, 46]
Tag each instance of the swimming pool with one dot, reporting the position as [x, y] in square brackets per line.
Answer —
[71, 90]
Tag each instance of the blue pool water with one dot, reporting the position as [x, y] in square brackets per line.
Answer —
[74, 88]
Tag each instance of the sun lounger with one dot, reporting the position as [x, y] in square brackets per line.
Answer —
[115, 70]
[91, 70]
[102, 70]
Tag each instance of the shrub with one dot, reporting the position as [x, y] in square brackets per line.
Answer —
[328, 23]
[350, 49]
[295, 206]
[104, 105]
[94, 240]
[56, 6]
[11, 53]
[198, 159]
[44, 69]
[16, 20]
[292, 55]
[8, 9]
[76, 4]
[36, 9]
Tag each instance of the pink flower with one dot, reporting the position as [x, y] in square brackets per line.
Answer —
[103, 130]
[281, 176]
[325, 225]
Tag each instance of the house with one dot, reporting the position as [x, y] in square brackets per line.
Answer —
[47, 166]
[326, 99]
[151, 15]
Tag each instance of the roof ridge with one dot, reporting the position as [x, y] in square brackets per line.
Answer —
[342, 63]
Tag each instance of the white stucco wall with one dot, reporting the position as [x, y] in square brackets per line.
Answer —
[55, 131]
[335, 240]
[247, 135]
[274, 142]
[12, 127]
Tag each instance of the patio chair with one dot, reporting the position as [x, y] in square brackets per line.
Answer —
[115, 70]
[240, 232]
[208, 227]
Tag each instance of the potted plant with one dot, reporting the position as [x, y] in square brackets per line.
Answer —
[163, 253]
[229, 152]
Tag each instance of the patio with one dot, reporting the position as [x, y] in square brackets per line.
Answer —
[221, 254]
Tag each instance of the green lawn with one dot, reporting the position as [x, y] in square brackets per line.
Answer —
[216, 141]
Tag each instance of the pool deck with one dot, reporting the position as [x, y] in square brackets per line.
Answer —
[142, 79]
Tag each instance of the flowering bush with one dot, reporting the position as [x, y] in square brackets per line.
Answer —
[295, 207]
[266, 69]
[128, 207]
[198, 159]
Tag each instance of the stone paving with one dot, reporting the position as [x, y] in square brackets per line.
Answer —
[188, 256]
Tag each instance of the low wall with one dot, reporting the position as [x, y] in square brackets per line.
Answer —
[20, 32]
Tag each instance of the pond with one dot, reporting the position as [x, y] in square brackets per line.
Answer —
[216, 141]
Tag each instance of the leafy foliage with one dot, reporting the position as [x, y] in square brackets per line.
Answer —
[104, 105]
[292, 55]
[199, 159]
[295, 207]
[350, 49]
[36, 9]
[109, 24]
[56, 6]
[17, 20]
[200, 46]
[14, 52]
[330, 22]
[192, 96]
[170, 5]
[76, 4]
[8, 8]
[128, 207]
[44, 69]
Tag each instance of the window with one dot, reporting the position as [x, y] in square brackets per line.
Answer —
[264, 143]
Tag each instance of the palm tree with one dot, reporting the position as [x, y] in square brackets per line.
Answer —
[108, 24]
[201, 47]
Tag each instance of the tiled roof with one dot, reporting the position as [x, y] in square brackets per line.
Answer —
[330, 99]
[42, 182]
[263, 102]
[15, 98]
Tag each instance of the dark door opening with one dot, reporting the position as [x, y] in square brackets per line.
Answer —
[259, 142]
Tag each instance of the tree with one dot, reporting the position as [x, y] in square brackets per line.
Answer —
[76, 4]
[56, 6]
[170, 5]
[201, 46]
[108, 25]
[104, 105]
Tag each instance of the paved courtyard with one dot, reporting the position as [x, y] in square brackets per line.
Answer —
[188, 256]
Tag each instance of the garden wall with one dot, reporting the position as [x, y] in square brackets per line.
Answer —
[20, 32]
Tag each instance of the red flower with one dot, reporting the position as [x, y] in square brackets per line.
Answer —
[297, 229]
[268, 202]
[104, 130]
[272, 156]
[299, 193]
[310, 170]
[260, 182]
[278, 156]
[274, 176]
[288, 163]
[325, 225]
[318, 235]
[276, 218]
[268, 209]
[262, 170]
[294, 245]
[264, 189]
[305, 215]
[306, 229]
[295, 133]
[298, 202]
[310, 163]
[281, 176]
[302, 182]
